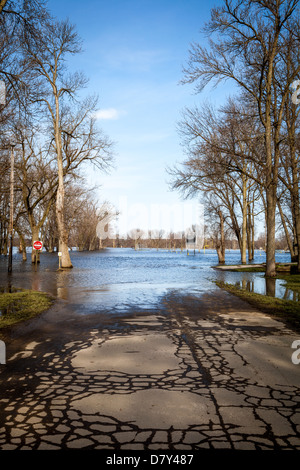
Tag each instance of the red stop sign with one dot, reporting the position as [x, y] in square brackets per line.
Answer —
[37, 245]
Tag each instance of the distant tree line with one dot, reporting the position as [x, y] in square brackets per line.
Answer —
[50, 130]
[163, 240]
[243, 157]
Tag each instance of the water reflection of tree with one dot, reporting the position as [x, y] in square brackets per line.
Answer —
[270, 286]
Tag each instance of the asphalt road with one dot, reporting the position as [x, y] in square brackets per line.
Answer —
[191, 374]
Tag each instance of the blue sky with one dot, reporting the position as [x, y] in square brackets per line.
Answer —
[134, 52]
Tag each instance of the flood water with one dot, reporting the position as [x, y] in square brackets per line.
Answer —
[118, 279]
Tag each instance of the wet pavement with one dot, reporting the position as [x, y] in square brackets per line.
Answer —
[207, 373]
[186, 371]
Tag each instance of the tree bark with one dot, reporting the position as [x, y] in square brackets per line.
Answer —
[270, 248]
[250, 233]
[271, 181]
[35, 254]
[62, 232]
[22, 246]
[220, 245]
[296, 218]
[2, 5]
[286, 232]
[244, 223]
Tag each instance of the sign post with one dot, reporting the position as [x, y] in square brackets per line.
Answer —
[37, 245]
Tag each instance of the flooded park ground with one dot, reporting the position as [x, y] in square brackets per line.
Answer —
[142, 351]
[113, 271]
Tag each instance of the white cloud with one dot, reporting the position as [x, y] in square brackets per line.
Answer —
[108, 114]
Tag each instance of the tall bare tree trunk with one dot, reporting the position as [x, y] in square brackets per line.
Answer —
[270, 248]
[60, 197]
[35, 254]
[286, 232]
[296, 215]
[250, 232]
[297, 230]
[244, 223]
[22, 248]
[271, 197]
[221, 242]
[294, 183]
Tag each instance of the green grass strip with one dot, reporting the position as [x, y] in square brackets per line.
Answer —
[286, 310]
[17, 306]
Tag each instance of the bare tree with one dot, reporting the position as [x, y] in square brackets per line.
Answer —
[18, 17]
[250, 38]
[36, 181]
[220, 162]
[82, 217]
[216, 225]
[155, 238]
[46, 54]
[289, 176]
[136, 234]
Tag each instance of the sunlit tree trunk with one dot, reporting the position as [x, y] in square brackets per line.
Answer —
[244, 223]
[250, 232]
[220, 244]
[60, 197]
[22, 245]
[35, 254]
[286, 232]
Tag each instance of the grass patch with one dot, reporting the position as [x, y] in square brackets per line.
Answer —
[280, 268]
[249, 270]
[22, 305]
[286, 310]
[292, 281]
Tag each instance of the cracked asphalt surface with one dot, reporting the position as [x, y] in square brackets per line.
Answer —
[192, 372]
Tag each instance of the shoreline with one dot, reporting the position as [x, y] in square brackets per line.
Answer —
[280, 267]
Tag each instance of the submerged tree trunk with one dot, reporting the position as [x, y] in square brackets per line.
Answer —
[296, 210]
[271, 179]
[286, 232]
[220, 243]
[22, 246]
[270, 248]
[35, 254]
[63, 236]
[60, 197]
[244, 223]
[250, 233]
[92, 244]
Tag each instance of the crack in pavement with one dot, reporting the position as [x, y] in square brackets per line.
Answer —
[180, 377]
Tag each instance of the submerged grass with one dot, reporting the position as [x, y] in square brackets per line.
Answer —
[21, 305]
[292, 281]
[250, 270]
[280, 268]
[286, 310]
